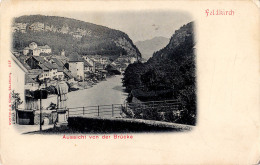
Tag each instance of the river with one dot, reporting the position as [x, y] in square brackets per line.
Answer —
[103, 93]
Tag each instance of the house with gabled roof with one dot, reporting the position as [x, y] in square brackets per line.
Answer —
[60, 68]
[49, 70]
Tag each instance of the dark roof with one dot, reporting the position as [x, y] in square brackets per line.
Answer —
[24, 64]
[67, 73]
[58, 62]
[74, 57]
[63, 59]
[33, 73]
[44, 64]
[59, 69]
[97, 64]
[87, 64]
[38, 58]
[28, 79]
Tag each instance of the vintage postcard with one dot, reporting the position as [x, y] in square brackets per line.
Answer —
[127, 82]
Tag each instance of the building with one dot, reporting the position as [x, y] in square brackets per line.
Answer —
[26, 50]
[37, 26]
[49, 70]
[32, 45]
[88, 67]
[19, 27]
[30, 83]
[100, 59]
[18, 73]
[45, 49]
[76, 66]
[99, 66]
[61, 69]
[37, 50]
[90, 63]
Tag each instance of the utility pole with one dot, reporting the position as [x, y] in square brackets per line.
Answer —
[40, 110]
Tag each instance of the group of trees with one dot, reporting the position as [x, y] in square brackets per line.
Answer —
[170, 68]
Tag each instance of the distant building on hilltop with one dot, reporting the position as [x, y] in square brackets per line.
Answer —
[19, 27]
[37, 26]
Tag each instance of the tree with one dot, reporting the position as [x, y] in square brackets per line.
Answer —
[16, 100]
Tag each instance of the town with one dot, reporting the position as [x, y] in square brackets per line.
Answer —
[80, 72]
[41, 69]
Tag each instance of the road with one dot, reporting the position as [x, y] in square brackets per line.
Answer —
[104, 93]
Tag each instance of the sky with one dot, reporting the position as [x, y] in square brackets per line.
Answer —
[139, 26]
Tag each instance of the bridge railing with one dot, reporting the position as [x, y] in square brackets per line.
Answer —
[114, 110]
[145, 110]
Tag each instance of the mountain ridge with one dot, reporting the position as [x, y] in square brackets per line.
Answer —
[72, 35]
[148, 47]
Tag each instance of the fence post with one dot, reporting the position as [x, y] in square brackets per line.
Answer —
[83, 110]
[98, 109]
[121, 110]
[112, 110]
[68, 112]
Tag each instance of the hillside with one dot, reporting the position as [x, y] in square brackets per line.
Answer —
[72, 35]
[170, 69]
[148, 47]
[181, 45]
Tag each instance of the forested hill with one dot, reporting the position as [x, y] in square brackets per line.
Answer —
[171, 68]
[180, 46]
[72, 35]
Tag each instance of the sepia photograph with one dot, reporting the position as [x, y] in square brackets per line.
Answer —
[124, 72]
[129, 82]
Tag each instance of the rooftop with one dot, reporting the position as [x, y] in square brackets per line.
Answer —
[74, 57]
[86, 63]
